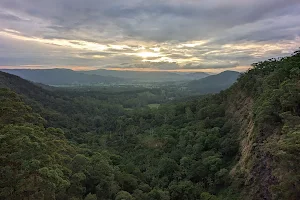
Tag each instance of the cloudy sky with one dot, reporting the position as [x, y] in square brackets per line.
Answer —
[175, 35]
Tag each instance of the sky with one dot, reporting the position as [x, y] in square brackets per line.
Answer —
[148, 35]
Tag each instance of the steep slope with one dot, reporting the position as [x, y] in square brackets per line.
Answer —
[23, 87]
[61, 109]
[214, 83]
[61, 76]
[265, 103]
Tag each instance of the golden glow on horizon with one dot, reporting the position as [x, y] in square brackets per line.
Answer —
[136, 52]
[238, 68]
[83, 68]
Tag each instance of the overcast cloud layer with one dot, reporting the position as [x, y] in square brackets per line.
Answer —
[203, 35]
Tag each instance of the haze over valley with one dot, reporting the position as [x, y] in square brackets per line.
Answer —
[149, 100]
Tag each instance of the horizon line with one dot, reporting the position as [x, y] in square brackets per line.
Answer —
[84, 68]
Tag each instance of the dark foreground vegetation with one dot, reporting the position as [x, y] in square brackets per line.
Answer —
[243, 143]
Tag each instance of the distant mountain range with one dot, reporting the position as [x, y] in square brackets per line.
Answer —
[62, 76]
[197, 75]
[148, 76]
[101, 76]
[198, 82]
[214, 83]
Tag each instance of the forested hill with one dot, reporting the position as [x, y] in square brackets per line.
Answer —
[243, 143]
[21, 86]
[214, 83]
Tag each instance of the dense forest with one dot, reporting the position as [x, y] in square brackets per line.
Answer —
[89, 144]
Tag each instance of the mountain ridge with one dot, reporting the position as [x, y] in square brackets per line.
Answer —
[149, 75]
[214, 83]
[58, 76]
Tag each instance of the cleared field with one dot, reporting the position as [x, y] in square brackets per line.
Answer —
[155, 105]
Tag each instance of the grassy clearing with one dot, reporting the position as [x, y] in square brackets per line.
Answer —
[155, 105]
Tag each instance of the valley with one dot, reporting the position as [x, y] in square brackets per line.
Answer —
[226, 137]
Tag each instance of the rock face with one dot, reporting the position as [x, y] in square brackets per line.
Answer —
[264, 104]
[254, 165]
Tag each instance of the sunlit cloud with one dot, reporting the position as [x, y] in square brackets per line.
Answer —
[192, 44]
[156, 49]
[76, 44]
[11, 31]
[171, 60]
[158, 60]
[148, 54]
[191, 36]
[260, 49]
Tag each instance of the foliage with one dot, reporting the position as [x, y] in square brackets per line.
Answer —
[86, 144]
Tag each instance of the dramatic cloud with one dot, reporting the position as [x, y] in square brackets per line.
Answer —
[206, 35]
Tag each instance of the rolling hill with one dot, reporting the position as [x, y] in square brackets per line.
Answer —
[214, 83]
[197, 75]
